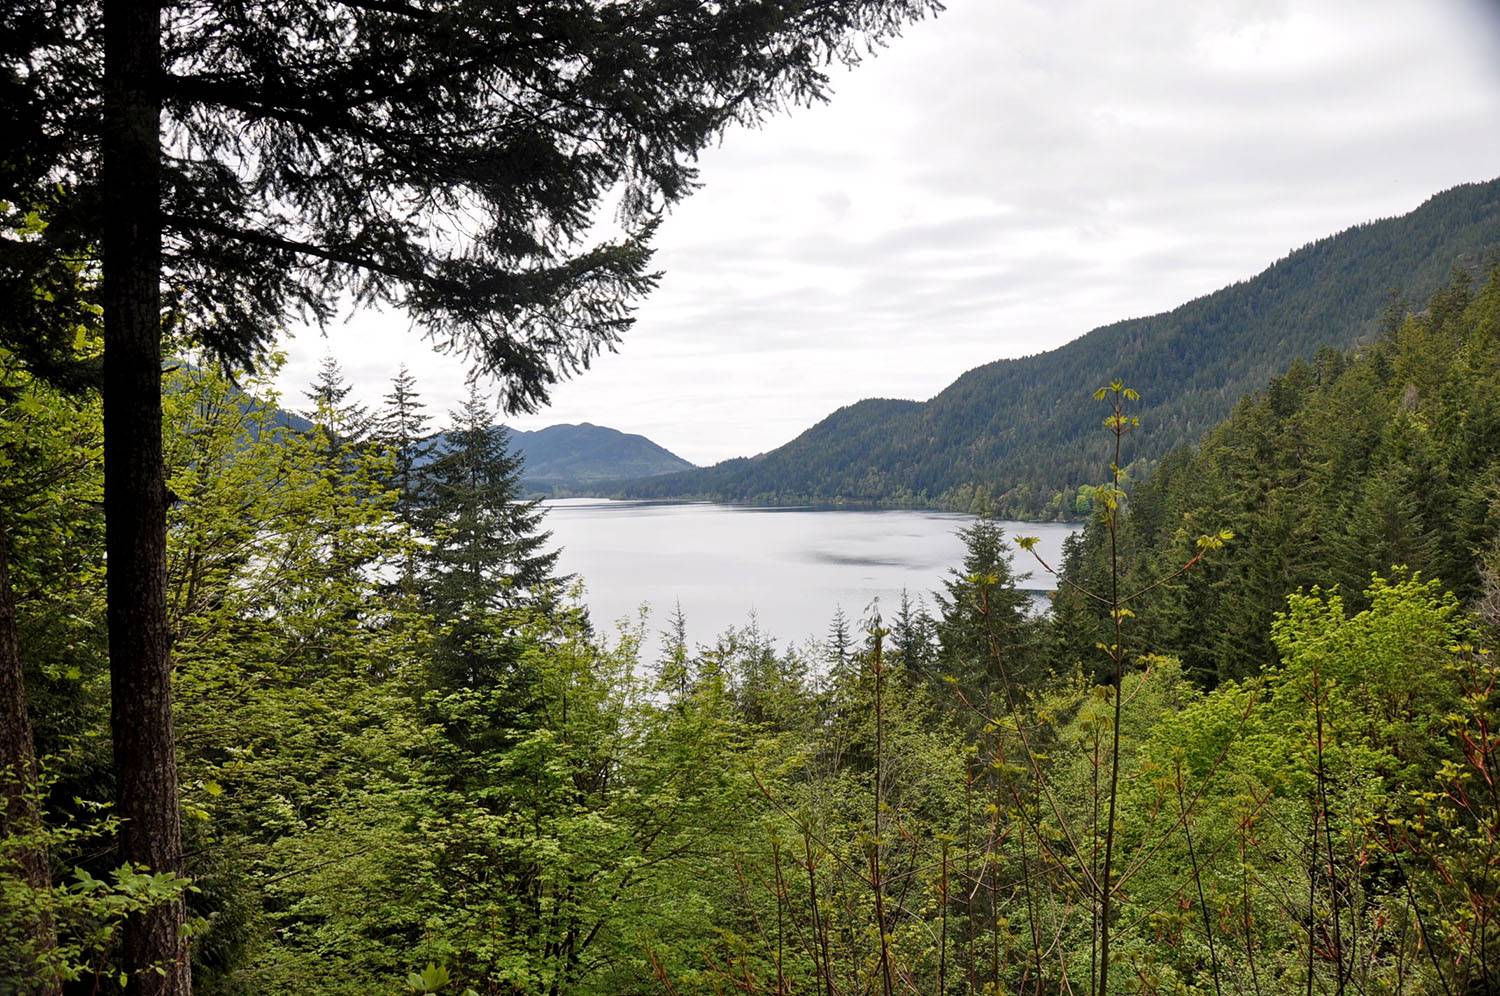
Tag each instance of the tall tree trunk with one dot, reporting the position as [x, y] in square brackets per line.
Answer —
[18, 775]
[135, 486]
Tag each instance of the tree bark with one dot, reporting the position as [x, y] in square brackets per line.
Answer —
[18, 773]
[156, 955]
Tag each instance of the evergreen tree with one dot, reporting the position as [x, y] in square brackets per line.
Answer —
[982, 613]
[914, 636]
[1393, 520]
[839, 647]
[401, 425]
[674, 667]
[485, 550]
[1076, 625]
[339, 438]
[347, 422]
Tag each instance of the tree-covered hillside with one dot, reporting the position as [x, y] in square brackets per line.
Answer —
[585, 453]
[1342, 467]
[1009, 436]
[560, 458]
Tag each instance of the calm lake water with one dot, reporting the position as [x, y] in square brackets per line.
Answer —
[788, 568]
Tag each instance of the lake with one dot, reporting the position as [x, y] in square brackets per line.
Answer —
[788, 568]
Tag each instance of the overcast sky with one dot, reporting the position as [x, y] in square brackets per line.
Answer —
[1001, 180]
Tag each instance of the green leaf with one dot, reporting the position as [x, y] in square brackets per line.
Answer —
[431, 979]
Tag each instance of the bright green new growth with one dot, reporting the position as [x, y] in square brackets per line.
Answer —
[411, 762]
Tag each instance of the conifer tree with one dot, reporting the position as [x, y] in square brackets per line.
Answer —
[913, 635]
[981, 609]
[839, 647]
[340, 440]
[674, 667]
[487, 546]
[401, 425]
[347, 422]
[485, 549]
[1392, 521]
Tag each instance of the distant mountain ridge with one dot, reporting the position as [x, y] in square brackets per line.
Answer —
[1019, 436]
[565, 457]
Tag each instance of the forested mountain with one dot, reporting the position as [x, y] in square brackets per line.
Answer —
[1009, 436]
[1339, 469]
[567, 455]
[563, 457]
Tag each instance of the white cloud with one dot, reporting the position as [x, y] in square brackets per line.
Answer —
[1001, 180]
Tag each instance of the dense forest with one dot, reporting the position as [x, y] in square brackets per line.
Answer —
[1008, 438]
[1341, 467]
[1252, 748]
[301, 704]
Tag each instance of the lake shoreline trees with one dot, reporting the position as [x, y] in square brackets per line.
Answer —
[448, 781]
[302, 708]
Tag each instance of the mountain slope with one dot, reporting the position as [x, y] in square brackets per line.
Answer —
[585, 453]
[571, 456]
[1330, 473]
[1019, 434]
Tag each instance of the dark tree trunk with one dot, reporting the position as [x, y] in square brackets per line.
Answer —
[18, 765]
[135, 487]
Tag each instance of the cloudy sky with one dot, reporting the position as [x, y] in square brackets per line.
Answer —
[1001, 180]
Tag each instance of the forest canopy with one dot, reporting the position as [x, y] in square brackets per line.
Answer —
[411, 760]
[305, 703]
